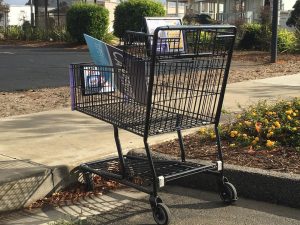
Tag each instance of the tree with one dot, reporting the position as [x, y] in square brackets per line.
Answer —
[294, 19]
[4, 9]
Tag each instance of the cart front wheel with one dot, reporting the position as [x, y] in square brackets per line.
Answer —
[161, 214]
[228, 193]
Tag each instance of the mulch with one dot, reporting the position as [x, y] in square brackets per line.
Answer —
[280, 159]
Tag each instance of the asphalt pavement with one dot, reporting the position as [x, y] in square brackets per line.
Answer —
[30, 68]
[187, 207]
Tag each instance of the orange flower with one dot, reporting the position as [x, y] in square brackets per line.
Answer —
[270, 143]
[258, 126]
[233, 133]
[277, 124]
[270, 134]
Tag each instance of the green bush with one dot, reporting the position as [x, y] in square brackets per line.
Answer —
[255, 36]
[287, 41]
[264, 126]
[258, 37]
[130, 15]
[14, 33]
[87, 18]
[28, 33]
[59, 34]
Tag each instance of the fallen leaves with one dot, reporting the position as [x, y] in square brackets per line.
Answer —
[75, 193]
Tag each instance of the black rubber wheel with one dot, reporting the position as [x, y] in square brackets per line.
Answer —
[228, 193]
[161, 214]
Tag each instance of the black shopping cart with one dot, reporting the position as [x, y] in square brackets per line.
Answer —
[172, 80]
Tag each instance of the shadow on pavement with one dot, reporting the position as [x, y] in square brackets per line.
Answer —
[19, 181]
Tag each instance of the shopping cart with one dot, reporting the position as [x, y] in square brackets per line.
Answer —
[172, 80]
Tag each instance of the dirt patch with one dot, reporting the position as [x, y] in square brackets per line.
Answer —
[256, 65]
[31, 101]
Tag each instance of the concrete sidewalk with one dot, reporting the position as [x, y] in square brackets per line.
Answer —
[60, 140]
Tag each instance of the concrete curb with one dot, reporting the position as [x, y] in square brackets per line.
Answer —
[261, 185]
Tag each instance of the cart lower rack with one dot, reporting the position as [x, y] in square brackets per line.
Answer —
[172, 80]
[138, 171]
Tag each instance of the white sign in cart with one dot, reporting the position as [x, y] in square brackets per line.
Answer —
[95, 79]
[168, 46]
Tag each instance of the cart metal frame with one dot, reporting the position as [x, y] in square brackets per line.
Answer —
[196, 49]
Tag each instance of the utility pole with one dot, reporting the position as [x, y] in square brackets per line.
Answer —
[218, 10]
[31, 14]
[57, 2]
[274, 32]
[36, 13]
[46, 17]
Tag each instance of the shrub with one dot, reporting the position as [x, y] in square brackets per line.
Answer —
[258, 37]
[268, 125]
[28, 33]
[255, 36]
[87, 18]
[14, 33]
[59, 34]
[287, 41]
[130, 15]
[264, 126]
[196, 19]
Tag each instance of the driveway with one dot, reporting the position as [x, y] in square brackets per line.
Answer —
[30, 68]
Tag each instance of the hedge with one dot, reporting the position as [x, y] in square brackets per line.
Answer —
[87, 18]
[130, 15]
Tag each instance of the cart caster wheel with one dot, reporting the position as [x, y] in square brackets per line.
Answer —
[228, 193]
[161, 214]
[88, 178]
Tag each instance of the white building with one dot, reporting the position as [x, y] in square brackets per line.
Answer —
[18, 14]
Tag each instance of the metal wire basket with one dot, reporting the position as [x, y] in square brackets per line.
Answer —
[169, 81]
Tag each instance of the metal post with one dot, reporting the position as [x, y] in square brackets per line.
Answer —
[274, 32]
[177, 5]
[218, 10]
[36, 13]
[31, 13]
[46, 17]
[57, 2]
